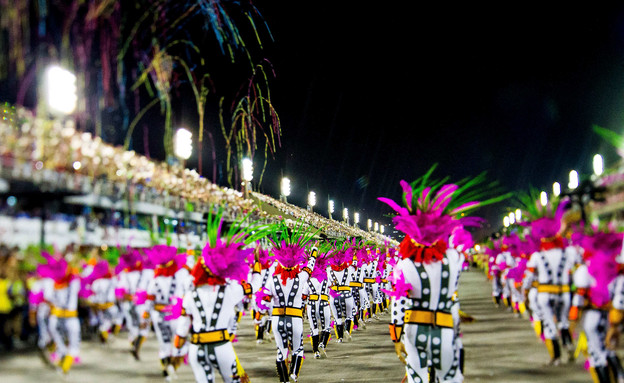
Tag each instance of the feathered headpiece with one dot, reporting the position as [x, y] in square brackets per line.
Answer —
[224, 255]
[56, 267]
[100, 270]
[461, 239]
[544, 219]
[601, 250]
[289, 247]
[433, 209]
[130, 260]
[162, 255]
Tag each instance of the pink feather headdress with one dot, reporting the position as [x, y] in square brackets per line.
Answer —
[461, 239]
[56, 268]
[289, 255]
[130, 260]
[431, 213]
[226, 260]
[100, 270]
[320, 268]
[601, 250]
[162, 254]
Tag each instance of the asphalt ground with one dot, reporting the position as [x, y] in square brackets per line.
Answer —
[499, 348]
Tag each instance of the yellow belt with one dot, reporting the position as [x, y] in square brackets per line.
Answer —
[553, 289]
[341, 288]
[355, 284]
[369, 280]
[290, 311]
[437, 318]
[102, 306]
[62, 313]
[316, 297]
[159, 307]
[534, 284]
[210, 337]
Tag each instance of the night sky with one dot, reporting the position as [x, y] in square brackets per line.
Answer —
[370, 95]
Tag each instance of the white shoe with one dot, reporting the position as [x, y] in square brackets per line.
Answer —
[259, 341]
[293, 377]
[172, 372]
[317, 355]
[322, 349]
[338, 340]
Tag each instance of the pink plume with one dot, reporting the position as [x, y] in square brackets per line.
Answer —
[174, 310]
[260, 298]
[400, 287]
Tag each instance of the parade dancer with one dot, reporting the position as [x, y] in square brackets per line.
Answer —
[285, 289]
[141, 303]
[340, 297]
[39, 310]
[98, 288]
[210, 307]
[372, 285]
[551, 267]
[422, 324]
[494, 274]
[263, 269]
[63, 321]
[504, 261]
[319, 313]
[167, 286]
[592, 301]
[358, 288]
[129, 272]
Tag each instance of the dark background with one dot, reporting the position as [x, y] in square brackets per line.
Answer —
[372, 93]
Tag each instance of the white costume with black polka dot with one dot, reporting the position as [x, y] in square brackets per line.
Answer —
[128, 282]
[319, 313]
[210, 309]
[163, 289]
[64, 299]
[342, 305]
[553, 268]
[505, 261]
[288, 329]
[42, 310]
[595, 320]
[260, 280]
[104, 304]
[147, 275]
[432, 289]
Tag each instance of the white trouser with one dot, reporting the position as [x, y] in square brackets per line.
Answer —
[319, 316]
[287, 329]
[342, 307]
[43, 311]
[68, 327]
[207, 359]
[595, 324]
[553, 306]
[131, 318]
[164, 331]
[424, 343]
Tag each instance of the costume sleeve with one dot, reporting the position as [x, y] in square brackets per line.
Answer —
[399, 304]
[579, 300]
[311, 261]
[184, 321]
[529, 273]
